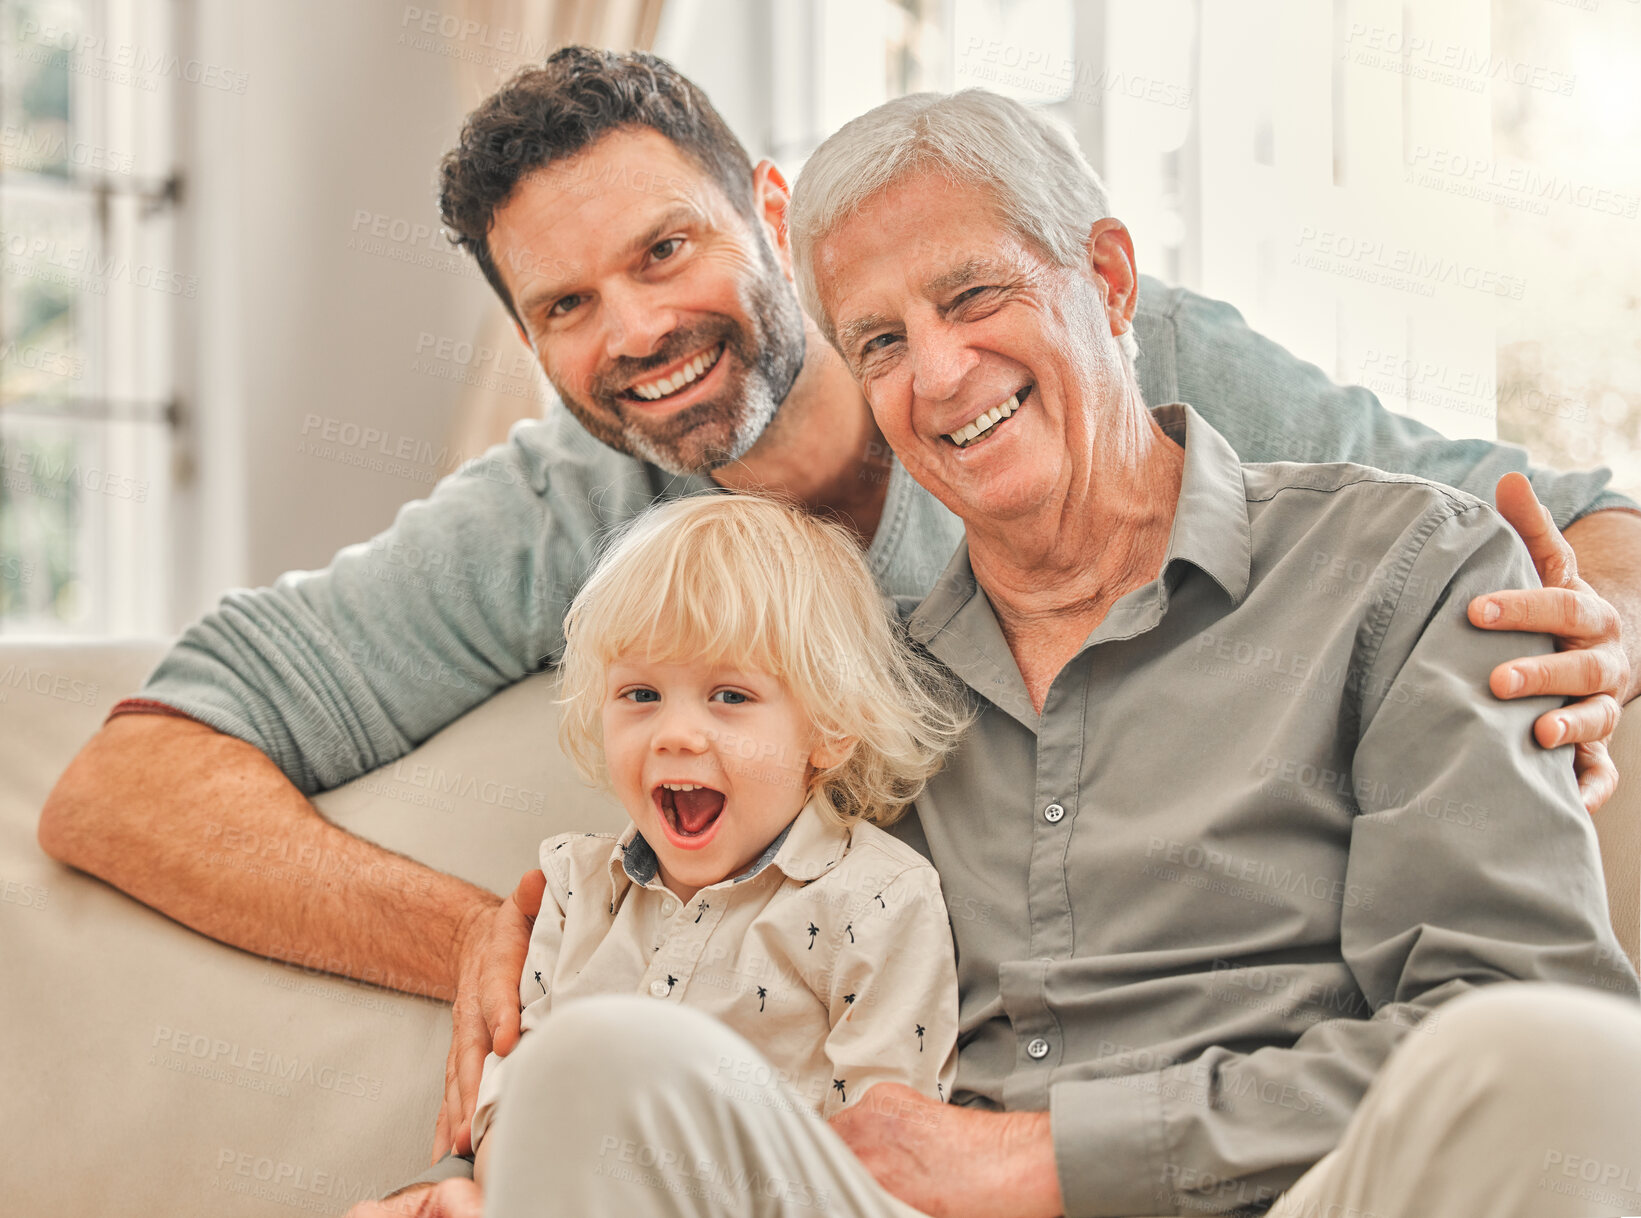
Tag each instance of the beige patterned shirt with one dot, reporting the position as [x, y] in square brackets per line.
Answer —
[832, 954]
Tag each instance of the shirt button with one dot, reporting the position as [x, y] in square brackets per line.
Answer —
[1053, 813]
[1037, 1049]
[658, 989]
[669, 907]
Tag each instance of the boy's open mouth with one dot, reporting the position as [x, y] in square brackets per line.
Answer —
[689, 809]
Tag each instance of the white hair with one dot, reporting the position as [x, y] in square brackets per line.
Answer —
[1045, 188]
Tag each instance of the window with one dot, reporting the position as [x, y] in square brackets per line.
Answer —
[1437, 200]
[88, 292]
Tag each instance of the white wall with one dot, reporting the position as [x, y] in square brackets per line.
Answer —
[312, 200]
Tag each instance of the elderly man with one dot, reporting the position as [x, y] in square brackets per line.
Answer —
[1232, 847]
[645, 259]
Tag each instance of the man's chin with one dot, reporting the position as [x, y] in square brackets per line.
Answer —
[697, 456]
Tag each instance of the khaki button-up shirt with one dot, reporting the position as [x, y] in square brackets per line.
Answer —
[832, 954]
[1269, 819]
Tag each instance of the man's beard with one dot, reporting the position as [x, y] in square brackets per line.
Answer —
[762, 366]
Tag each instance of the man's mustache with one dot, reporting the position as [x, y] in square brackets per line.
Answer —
[626, 371]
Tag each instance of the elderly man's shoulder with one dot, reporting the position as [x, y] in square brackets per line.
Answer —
[1343, 515]
[1322, 487]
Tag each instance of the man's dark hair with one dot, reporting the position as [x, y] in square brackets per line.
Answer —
[553, 112]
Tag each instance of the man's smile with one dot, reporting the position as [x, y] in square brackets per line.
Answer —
[985, 424]
[675, 380]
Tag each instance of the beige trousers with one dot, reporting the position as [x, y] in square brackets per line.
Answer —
[1520, 1101]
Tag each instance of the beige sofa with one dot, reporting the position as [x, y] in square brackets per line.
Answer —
[150, 1071]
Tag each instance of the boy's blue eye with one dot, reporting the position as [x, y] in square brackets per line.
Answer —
[642, 695]
[734, 696]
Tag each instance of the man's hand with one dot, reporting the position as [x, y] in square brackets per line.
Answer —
[485, 1013]
[454, 1198]
[1590, 661]
[953, 1162]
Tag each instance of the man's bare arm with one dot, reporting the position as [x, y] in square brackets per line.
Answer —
[206, 829]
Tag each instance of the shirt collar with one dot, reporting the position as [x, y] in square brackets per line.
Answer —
[805, 850]
[1210, 531]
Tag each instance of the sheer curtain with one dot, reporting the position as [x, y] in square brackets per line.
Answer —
[528, 30]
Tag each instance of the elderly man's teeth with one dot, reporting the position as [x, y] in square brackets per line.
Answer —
[672, 384]
[973, 431]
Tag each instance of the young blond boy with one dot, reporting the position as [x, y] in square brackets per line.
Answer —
[733, 676]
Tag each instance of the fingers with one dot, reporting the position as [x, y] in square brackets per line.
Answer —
[1597, 775]
[1579, 617]
[455, 1198]
[503, 963]
[1588, 722]
[470, 1051]
[450, 1112]
[1550, 552]
[1583, 673]
[527, 896]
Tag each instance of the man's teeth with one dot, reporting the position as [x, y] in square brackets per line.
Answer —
[672, 384]
[984, 423]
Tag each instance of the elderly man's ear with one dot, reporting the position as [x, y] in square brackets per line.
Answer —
[771, 197]
[1111, 259]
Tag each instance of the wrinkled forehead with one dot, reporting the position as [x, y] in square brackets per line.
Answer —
[904, 245]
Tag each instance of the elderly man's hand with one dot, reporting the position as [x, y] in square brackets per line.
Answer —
[953, 1162]
[1590, 662]
[485, 1013]
[455, 1198]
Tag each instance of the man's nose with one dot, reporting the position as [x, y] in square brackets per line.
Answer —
[940, 361]
[636, 319]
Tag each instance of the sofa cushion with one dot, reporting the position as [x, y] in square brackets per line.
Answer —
[153, 1071]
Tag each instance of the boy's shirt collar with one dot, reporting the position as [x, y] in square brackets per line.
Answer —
[805, 850]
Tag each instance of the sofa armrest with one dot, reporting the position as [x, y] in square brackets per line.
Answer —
[153, 1071]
